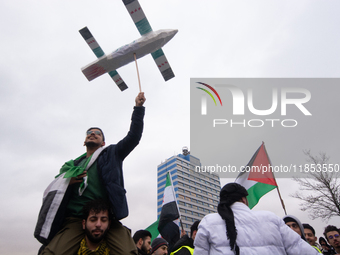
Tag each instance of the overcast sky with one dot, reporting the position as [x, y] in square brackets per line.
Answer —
[47, 104]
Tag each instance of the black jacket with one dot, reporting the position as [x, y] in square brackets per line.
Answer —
[184, 241]
[140, 252]
[110, 161]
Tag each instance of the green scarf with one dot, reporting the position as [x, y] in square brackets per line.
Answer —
[72, 170]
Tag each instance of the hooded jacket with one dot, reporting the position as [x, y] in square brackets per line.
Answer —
[286, 219]
[258, 232]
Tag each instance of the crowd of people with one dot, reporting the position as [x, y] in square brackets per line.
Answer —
[234, 231]
[83, 205]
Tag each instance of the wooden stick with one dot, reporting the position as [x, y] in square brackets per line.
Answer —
[180, 220]
[282, 203]
[140, 87]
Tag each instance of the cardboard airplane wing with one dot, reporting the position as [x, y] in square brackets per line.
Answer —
[97, 50]
[143, 26]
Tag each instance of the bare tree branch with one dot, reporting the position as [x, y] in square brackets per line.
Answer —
[319, 194]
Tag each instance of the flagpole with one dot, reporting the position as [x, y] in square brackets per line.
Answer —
[277, 187]
[180, 218]
[282, 203]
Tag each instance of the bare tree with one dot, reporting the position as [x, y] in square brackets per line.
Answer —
[323, 197]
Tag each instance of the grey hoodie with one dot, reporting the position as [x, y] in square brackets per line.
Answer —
[289, 218]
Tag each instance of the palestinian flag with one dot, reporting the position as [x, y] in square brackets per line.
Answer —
[258, 177]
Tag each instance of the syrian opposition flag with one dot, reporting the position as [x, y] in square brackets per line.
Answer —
[257, 177]
[153, 229]
[169, 229]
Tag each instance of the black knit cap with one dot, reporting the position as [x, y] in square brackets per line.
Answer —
[158, 242]
[230, 193]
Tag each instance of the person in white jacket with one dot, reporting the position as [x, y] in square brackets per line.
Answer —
[235, 229]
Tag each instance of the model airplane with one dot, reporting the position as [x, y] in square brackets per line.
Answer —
[150, 42]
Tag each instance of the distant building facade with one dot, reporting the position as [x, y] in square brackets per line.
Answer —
[197, 192]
